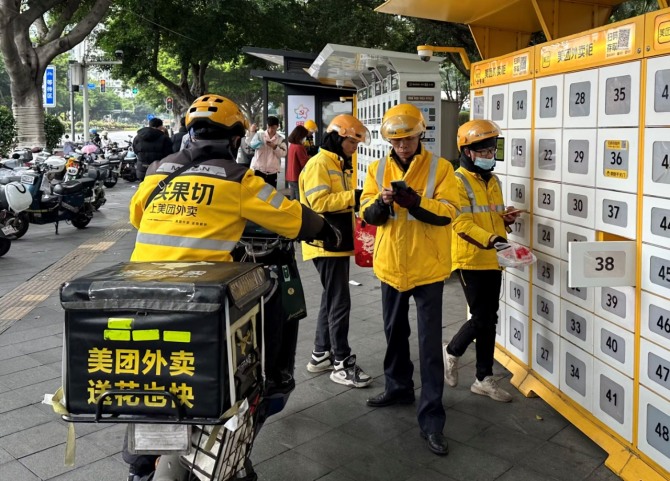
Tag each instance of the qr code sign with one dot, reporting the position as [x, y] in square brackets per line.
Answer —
[624, 39]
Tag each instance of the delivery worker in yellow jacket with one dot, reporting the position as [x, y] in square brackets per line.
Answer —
[200, 215]
[411, 195]
[480, 226]
[325, 186]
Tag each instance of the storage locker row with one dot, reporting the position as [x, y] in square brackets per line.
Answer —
[604, 97]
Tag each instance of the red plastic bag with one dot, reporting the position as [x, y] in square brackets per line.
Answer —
[511, 254]
[364, 243]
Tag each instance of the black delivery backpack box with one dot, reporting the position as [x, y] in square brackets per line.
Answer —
[191, 329]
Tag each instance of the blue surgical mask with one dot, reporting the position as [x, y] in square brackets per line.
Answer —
[485, 164]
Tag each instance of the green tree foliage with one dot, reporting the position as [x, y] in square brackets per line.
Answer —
[54, 130]
[173, 43]
[7, 130]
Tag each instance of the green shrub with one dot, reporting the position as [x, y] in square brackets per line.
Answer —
[463, 116]
[7, 131]
[53, 130]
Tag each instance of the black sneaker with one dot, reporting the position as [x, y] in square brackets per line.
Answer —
[348, 373]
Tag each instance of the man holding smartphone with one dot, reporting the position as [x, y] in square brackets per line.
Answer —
[411, 195]
[483, 223]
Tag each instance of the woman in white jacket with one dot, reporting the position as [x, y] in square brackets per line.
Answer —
[270, 147]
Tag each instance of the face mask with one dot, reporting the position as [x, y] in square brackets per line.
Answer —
[485, 164]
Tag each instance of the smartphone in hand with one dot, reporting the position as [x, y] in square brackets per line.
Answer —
[398, 185]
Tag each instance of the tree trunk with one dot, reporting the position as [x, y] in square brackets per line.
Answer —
[29, 114]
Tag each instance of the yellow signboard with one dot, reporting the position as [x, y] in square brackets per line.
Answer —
[657, 32]
[611, 44]
[501, 70]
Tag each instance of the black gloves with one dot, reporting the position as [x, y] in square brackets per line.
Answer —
[330, 235]
[357, 199]
[407, 198]
[500, 241]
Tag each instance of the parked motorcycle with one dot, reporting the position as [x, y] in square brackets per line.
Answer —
[127, 168]
[112, 161]
[55, 200]
[14, 198]
[82, 165]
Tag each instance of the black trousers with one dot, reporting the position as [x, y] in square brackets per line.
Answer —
[269, 178]
[482, 292]
[398, 367]
[332, 323]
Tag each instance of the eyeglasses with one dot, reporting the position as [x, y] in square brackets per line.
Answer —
[404, 140]
[490, 151]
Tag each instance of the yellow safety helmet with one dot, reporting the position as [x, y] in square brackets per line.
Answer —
[349, 126]
[310, 125]
[403, 120]
[476, 131]
[217, 111]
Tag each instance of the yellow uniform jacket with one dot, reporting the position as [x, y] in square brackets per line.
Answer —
[412, 247]
[326, 187]
[481, 217]
[201, 214]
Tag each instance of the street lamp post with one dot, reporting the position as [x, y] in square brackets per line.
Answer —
[83, 65]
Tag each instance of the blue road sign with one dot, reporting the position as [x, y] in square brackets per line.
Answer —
[150, 116]
[49, 86]
[91, 86]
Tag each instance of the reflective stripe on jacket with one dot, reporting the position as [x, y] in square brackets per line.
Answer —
[409, 252]
[201, 214]
[481, 217]
[325, 187]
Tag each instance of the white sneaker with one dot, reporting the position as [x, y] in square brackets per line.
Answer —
[321, 361]
[348, 373]
[489, 387]
[450, 367]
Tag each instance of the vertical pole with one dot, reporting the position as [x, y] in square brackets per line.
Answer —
[70, 87]
[265, 102]
[85, 101]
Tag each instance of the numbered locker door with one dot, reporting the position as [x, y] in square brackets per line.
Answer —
[547, 235]
[518, 160]
[655, 313]
[548, 154]
[547, 201]
[517, 292]
[579, 206]
[498, 104]
[478, 107]
[656, 221]
[617, 159]
[657, 111]
[517, 334]
[618, 94]
[580, 102]
[613, 399]
[657, 162]
[549, 102]
[577, 326]
[576, 374]
[617, 305]
[579, 157]
[656, 270]
[616, 212]
[518, 192]
[655, 368]
[547, 273]
[546, 309]
[546, 351]
[614, 346]
[520, 96]
[654, 427]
